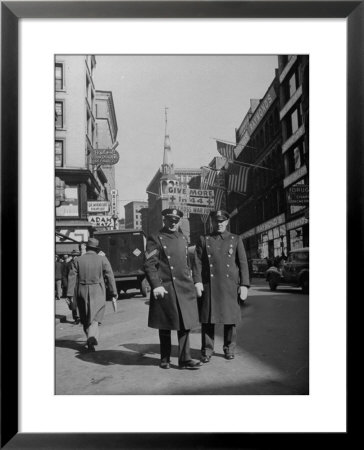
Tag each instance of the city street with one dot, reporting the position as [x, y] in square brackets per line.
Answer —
[271, 355]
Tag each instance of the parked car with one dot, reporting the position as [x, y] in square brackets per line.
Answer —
[293, 271]
[258, 267]
[125, 251]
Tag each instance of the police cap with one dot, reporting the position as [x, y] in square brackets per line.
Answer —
[172, 213]
[220, 215]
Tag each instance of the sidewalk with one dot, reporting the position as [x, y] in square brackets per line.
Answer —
[271, 354]
[62, 312]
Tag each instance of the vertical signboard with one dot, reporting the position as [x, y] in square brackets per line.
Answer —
[114, 195]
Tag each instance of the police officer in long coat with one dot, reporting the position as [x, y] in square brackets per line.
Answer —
[220, 275]
[88, 276]
[173, 302]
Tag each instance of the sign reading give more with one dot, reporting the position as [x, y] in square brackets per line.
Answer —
[100, 221]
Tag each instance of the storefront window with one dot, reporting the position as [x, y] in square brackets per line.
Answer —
[296, 238]
[69, 207]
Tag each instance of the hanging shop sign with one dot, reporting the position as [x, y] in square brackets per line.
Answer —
[104, 156]
[101, 221]
[97, 207]
[298, 194]
[114, 195]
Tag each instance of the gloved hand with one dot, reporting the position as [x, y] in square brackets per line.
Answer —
[199, 289]
[159, 292]
[243, 292]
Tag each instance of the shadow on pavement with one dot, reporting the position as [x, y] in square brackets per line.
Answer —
[71, 343]
[121, 357]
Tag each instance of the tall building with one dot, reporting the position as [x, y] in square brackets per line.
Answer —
[133, 214]
[260, 209]
[272, 146]
[166, 177]
[106, 133]
[75, 138]
[294, 116]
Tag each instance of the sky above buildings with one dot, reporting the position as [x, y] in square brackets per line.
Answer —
[207, 97]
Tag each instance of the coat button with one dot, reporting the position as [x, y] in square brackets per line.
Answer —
[172, 267]
[174, 278]
[227, 265]
[209, 256]
[168, 257]
[211, 265]
[227, 276]
[164, 246]
[212, 275]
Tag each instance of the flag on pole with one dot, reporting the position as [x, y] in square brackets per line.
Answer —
[208, 177]
[226, 150]
[204, 173]
[218, 198]
[238, 178]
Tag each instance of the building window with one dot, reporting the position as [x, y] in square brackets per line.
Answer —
[59, 76]
[292, 85]
[294, 121]
[59, 115]
[59, 153]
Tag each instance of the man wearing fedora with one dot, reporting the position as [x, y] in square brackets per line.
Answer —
[173, 302]
[221, 275]
[88, 276]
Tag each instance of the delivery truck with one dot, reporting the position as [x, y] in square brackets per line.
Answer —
[125, 251]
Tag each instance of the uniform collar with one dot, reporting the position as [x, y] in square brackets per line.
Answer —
[165, 230]
[223, 235]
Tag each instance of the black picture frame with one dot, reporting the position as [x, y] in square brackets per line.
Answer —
[11, 13]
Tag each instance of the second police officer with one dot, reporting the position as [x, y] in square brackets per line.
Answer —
[220, 274]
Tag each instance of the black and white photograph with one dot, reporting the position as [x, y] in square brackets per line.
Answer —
[181, 224]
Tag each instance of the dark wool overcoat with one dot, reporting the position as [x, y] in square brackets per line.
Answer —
[166, 264]
[87, 276]
[220, 263]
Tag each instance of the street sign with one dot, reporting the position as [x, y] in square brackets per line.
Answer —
[101, 221]
[185, 208]
[191, 192]
[298, 194]
[188, 200]
[104, 156]
[97, 207]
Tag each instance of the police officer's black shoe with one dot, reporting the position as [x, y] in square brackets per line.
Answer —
[229, 356]
[165, 365]
[91, 342]
[191, 364]
[205, 359]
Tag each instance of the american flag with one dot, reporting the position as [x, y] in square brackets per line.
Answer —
[208, 177]
[204, 217]
[218, 197]
[238, 178]
[226, 150]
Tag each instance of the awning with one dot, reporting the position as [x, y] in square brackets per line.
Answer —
[66, 248]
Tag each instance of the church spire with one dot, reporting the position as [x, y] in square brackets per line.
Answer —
[167, 166]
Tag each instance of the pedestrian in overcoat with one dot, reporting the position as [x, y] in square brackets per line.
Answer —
[173, 302]
[221, 275]
[88, 275]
